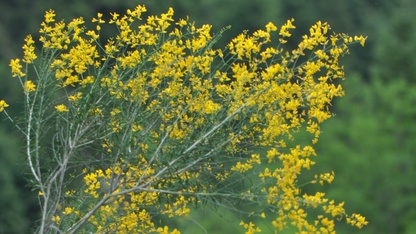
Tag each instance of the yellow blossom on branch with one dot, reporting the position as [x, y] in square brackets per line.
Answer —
[163, 122]
[61, 108]
[29, 50]
[16, 68]
[3, 104]
[50, 16]
[29, 86]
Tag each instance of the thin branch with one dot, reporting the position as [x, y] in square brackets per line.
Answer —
[215, 128]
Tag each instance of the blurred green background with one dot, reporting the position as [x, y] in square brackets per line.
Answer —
[370, 144]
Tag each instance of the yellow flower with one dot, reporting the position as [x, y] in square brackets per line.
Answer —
[182, 23]
[3, 104]
[76, 97]
[284, 30]
[61, 108]
[29, 50]
[50, 16]
[98, 19]
[357, 220]
[16, 68]
[270, 27]
[250, 227]
[360, 39]
[114, 17]
[68, 210]
[29, 86]
[70, 192]
[56, 218]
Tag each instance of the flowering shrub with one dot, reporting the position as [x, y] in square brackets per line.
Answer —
[123, 136]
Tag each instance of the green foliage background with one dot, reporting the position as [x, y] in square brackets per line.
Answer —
[369, 144]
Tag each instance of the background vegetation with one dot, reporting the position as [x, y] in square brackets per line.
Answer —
[369, 144]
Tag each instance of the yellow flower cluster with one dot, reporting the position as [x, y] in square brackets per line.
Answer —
[3, 104]
[250, 228]
[178, 120]
[29, 86]
[357, 220]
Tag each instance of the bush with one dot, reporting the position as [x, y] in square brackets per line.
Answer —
[124, 136]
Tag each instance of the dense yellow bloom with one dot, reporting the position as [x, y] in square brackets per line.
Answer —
[164, 121]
